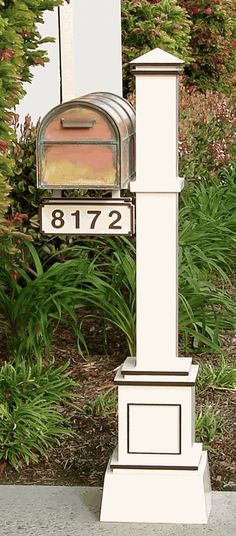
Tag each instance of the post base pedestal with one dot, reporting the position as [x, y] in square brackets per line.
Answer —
[157, 496]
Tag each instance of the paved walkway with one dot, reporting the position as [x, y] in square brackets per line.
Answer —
[74, 511]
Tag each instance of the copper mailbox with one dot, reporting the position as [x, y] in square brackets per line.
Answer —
[87, 143]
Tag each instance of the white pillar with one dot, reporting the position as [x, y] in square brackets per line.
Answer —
[85, 57]
[91, 47]
[67, 51]
[158, 473]
[157, 186]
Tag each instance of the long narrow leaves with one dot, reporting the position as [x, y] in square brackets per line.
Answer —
[30, 418]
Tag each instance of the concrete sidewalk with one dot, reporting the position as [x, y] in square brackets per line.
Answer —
[74, 511]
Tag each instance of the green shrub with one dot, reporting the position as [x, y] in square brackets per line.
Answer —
[26, 197]
[19, 49]
[115, 294]
[216, 376]
[205, 309]
[208, 230]
[213, 39]
[31, 420]
[207, 255]
[32, 302]
[208, 425]
[146, 26]
[103, 405]
[207, 134]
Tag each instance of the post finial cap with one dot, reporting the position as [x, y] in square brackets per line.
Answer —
[156, 60]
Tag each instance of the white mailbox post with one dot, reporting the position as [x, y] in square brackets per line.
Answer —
[158, 473]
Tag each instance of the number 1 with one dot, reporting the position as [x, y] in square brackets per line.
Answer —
[77, 218]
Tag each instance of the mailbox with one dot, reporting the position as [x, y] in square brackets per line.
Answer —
[87, 143]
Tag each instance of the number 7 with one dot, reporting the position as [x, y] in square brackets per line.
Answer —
[97, 213]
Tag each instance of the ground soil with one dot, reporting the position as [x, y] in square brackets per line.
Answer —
[82, 459]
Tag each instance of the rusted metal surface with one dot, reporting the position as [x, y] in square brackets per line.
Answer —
[87, 143]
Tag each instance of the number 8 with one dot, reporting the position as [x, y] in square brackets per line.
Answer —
[57, 218]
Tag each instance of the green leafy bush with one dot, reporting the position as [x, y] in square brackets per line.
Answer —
[208, 425]
[103, 405]
[208, 229]
[114, 293]
[213, 40]
[207, 255]
[31, 419]
[146, 26]
[31, 306]
[221, 375]
[20, 43]
[205, 309]
[33, 301]
[207, 135]
[26, 197]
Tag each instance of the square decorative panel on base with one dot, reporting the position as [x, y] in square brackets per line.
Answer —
[147, 430]
[157, 496]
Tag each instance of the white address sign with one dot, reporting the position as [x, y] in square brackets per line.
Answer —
[87, 217]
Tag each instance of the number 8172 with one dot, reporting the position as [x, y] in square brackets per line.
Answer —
[87, 218]
[58, 218]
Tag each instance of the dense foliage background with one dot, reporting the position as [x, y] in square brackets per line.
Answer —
[20, 48]
[50, 282]
[212, 43]
[147, 25]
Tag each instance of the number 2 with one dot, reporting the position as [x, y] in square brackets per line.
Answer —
[113, 223]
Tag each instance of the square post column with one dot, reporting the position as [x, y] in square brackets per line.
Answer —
[157, 187]
[158, 473]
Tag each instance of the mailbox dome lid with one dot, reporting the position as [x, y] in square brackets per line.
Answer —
[116, 107]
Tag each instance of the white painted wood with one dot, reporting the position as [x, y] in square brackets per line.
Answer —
[44, 91]
[67, 51]
[156, 243]
[156, 186]
[156, 126]
[162, 394]
[180, 366]
[157, 58]
[97, 38]
[148, 430]
[156, 496]
[167, 187]
[156, 395]
[115, 193]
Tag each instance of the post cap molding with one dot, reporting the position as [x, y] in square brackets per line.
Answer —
[156, 61]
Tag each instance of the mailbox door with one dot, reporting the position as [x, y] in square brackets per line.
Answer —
[79, 165]
[79, 147]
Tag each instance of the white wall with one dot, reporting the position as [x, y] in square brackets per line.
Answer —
[90, 55]
[44, 91]
[97, 31]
